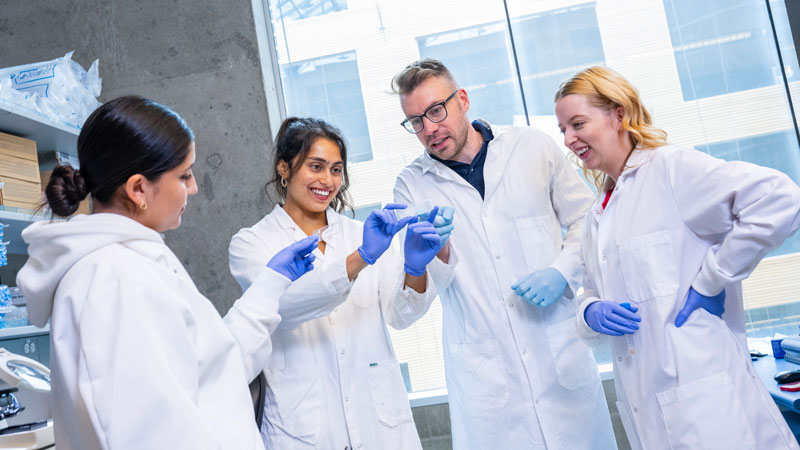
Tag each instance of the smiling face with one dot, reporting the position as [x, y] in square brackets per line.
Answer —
[447, 138]
[314, 182]
[166, 197]
[594, 134]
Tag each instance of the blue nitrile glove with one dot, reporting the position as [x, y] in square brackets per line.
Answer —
[444, 223]
[541, 288]
[295, 260]
[421, 246]
[611, 318]
[715, 305]
[379, 229]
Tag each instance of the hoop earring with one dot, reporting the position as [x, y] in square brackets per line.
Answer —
[283, 181]
[143, 206]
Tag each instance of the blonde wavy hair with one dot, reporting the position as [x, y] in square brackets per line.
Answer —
[607, 89]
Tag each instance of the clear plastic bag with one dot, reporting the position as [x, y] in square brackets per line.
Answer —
[58, 89]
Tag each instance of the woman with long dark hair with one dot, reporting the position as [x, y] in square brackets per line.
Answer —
[334, 381]
[140, 358]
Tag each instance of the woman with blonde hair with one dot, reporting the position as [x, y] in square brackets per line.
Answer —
[665, 247]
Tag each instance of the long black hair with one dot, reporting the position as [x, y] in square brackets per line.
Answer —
[123, 137]
[293, 142]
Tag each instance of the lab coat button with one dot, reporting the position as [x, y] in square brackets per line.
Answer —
[346, 399]
[635, 409]
[524, 351]
[619, 359]
[341, 352]
[360, 445]
[510, 304]
[536, 401]
[497, 257]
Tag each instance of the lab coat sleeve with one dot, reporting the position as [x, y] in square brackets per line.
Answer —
[752, 209]
[252, 319]
[571, 200]
[138, 370]
[587, 297]
[401, 306]
[311, 296]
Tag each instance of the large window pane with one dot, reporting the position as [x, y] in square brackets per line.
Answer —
[723, 46]
[329, 88]
[708, 71]
[288, 10]
[551, 46]
[479, 59]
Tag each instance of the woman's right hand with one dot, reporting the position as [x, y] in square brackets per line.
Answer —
[295, 260]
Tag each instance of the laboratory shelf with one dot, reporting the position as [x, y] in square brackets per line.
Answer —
[49, 134]
[28, 330]
[17, 220]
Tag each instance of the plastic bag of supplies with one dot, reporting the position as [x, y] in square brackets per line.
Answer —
[58, 89]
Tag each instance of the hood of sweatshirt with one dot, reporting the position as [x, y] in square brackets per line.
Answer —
[54, 247]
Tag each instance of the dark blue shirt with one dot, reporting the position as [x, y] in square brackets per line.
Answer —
[473, 172]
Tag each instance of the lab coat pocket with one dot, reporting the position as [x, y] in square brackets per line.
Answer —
[293, 404]
[706, 414]
[649, 266]
[388, 393]
[575, 365]
[536, 240]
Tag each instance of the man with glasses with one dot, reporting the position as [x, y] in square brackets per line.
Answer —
[518, 375]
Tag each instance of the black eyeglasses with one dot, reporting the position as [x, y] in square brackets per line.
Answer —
[435, 113]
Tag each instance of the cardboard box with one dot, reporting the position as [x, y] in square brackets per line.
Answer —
[83, 208]
[18, 147]
[20, 191]
[21, 169]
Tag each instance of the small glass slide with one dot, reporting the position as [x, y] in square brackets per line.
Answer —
[421, 209]
[629, 337]
[318, 233]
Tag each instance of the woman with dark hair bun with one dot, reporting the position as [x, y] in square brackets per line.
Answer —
[140, 358]
[334, 381]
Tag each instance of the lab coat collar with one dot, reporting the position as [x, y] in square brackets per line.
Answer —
[285, 221]
[638, 158]
[427, 162]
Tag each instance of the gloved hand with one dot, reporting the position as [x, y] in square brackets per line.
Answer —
[715, 305]
[379, 229]
[295, 260]
[444, 223]
[541, 288]
[611, 318]
[422, 244]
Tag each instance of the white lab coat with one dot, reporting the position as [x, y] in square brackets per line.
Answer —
[140, 358]
[679, 218]
[518, 376]
[334, 381]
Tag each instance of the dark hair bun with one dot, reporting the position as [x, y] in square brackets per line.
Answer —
[65, 190]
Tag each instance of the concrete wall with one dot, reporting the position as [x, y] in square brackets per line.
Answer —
[200, 57]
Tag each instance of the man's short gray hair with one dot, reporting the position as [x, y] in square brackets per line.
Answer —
[415, 73]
